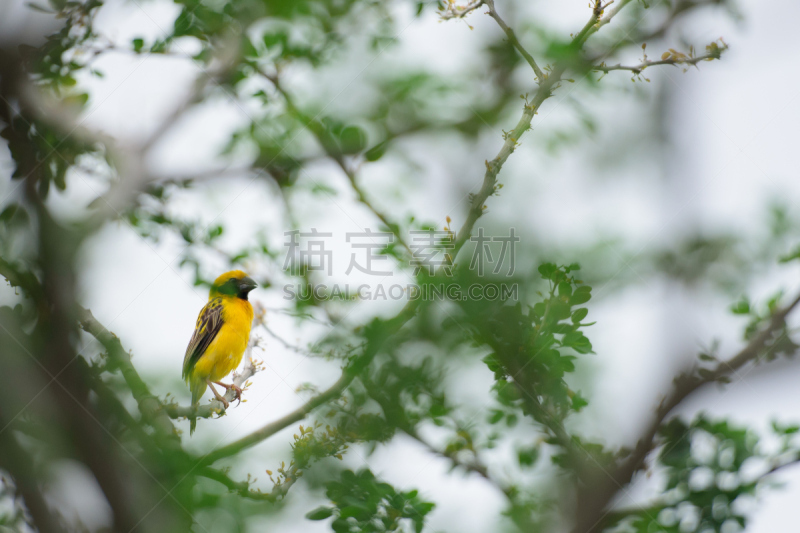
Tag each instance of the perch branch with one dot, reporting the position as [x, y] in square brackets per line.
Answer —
[598, 20]
[393, 325]
[250, 368]
[215, 407]
[349, 373]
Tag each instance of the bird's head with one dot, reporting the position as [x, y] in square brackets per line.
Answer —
[234, 284]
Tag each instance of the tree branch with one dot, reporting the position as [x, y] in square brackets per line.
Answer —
[250, 368]
[333, 392]
[216, 407]
[598, 20]
[389, 327]
[546, 86]
[636, 69]
[452, 11]
[16, 461]
[242, 488]
[593, 499]
[393, 325]
[512, 38]
[149, 405]
[323, 138]
[472, 466]
[654, 507]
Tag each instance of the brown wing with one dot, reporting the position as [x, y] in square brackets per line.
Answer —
[208, 325]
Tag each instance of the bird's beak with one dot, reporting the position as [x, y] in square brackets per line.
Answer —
[247, 284]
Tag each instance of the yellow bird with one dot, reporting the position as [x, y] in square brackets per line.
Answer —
[220, 336]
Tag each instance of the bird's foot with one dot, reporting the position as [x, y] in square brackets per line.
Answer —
[236, 390]
[222, 399]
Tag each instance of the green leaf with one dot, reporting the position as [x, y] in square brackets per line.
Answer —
[547, 270]
[791, 256]
[215, 232]
[13, 214]
[581, 295]
[511, 420]
[320, 513]
[496, 416]
[578, 342]
[320, 188]
[527, 456]
[138, 44]
[564, 328]
[353, 140]
[41, 9]
[559, 310]
[565, 289]
[579, 402]
[376, 152]
[742, 307]
[579, 314]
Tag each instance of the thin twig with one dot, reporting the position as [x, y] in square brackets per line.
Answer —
[319, 132]
[512, 38]
[284, 342]
[392, 326]
[471, 466]
[594, 499]
[242, 488]
[598, 20]
[636, 69]
[452, 11]
[654, 507]
[270, 429]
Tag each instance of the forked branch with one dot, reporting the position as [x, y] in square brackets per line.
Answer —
[393, 325]
[595, 498]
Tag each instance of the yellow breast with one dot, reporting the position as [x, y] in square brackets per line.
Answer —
[225, 352]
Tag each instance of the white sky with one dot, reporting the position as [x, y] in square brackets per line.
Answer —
[732, 136]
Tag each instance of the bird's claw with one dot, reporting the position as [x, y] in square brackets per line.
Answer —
[237, 392]
[219, 398]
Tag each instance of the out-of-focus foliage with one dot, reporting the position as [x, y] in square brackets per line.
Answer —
[276, 59]
[364, 504]
[713, 470]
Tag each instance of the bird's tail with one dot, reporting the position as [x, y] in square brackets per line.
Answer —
[198, 387]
